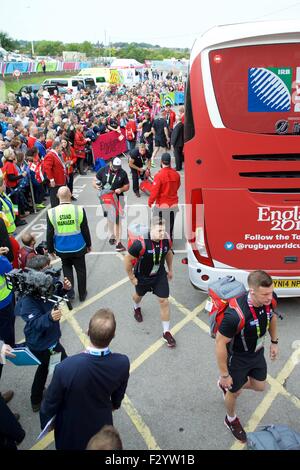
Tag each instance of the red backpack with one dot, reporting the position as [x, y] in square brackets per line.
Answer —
[146, 183]
[137, 232]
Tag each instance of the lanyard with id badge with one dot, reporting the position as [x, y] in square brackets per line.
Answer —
[108, 186]
[55, 358]
[156, 264]
[260, 339]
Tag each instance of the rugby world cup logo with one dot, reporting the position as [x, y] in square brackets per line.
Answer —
[269, 89]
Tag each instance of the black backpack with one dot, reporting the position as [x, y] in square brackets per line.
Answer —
[273, 437]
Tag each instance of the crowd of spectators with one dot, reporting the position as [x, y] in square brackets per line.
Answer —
[31, 125]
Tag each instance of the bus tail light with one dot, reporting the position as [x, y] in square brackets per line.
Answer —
[200, 249]
[198, 241]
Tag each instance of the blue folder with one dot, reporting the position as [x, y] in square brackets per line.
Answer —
[24, 357]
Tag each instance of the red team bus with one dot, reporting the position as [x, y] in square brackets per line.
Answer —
[242, 154]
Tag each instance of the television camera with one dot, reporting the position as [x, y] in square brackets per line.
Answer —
[43, 285]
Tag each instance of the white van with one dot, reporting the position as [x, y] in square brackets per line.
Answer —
[73, 83]
[101, 75]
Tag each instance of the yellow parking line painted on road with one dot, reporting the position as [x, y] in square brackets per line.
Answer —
[197, 310]
[204, 327]
[281, 390]
[44, 443]
[139, 424]
[78, 330]
[159, 343]
[95, 298]
[266, 403]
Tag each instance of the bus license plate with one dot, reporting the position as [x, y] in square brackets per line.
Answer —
[286, 283]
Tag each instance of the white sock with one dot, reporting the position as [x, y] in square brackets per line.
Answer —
[166, 326]
[231, 418]
[136, 305]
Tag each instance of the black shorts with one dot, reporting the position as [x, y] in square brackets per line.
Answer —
[244, 365]
[159, 286]
[160, 142]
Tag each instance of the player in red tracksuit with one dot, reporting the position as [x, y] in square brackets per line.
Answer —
[164, 193]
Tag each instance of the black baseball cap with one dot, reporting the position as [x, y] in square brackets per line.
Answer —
[166, 158]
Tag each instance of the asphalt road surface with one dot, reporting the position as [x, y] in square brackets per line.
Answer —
[172, 401]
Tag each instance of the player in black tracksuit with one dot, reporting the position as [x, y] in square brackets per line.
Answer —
[149, 273]
[240, 354]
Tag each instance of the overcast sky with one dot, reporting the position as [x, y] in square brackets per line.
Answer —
[167, 23]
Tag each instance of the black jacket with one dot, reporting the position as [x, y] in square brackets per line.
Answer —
[82, 394]
[177, 135]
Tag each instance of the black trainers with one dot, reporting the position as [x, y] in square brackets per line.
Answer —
[223, 390]
[7, 396]
[82, 299]
[236, 428]
[112, 240]
[120, 247]
[137, 193]
[171, 343]
[138, 314]
[36, 407]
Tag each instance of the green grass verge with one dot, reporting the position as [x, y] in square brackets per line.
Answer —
[15, 84]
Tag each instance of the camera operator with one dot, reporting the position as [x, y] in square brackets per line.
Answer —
[42, 329]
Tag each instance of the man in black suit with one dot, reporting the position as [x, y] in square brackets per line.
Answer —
[86, 388]
[177, 141]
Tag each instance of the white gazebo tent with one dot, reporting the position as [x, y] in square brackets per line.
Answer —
[126, 63]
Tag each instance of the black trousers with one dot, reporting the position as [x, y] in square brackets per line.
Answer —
[53, 196]
[169, 216]
[80, 268]
[39, 193]
[41, 374]
[11, 432]
[150, 146]
[80, 165]
[70, 182]
[135, 180]
[178, 154]
[7, 324]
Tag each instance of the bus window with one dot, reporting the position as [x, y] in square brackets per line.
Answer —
[100, 80]
[255, 85]
[189, 128]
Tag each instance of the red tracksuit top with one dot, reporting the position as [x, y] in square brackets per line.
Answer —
[164, 189]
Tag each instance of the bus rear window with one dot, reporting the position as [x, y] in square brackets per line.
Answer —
[256, 87]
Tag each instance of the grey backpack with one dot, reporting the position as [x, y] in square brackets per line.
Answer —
[273, 437]
[222, 293]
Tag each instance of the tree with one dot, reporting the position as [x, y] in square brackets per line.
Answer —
[87, 48]
[6, 42]
[49, 48]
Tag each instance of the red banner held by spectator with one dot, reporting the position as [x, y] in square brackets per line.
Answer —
[109, 145]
